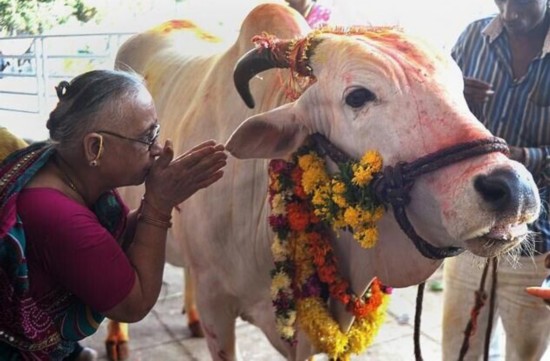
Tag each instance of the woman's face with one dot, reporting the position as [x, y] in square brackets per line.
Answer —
[521, 16]
[131, 147]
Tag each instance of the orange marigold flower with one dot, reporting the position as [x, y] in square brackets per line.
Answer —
[296, 176]
[359, 308]
[327, 273]
[339, 290]
[298, 217]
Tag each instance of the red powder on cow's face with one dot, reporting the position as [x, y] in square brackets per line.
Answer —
[405, 52]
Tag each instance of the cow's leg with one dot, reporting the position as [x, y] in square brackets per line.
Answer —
[190, 306]
[218, 315]
[262, 315]
[116, 343]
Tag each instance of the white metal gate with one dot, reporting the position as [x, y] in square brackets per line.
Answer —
[33, 65]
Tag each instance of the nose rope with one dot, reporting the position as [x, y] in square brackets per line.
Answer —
[393, 184]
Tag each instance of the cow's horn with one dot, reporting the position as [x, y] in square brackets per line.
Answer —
[257, 60]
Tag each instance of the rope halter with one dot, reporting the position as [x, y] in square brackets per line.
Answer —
[393, 185]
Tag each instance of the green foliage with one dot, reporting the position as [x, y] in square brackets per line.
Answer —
[36, 16]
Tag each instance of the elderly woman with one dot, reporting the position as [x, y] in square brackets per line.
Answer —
[71, 253]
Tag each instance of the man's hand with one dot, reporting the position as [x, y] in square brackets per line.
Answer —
[543, 291]
[517, 154]
[477, 91]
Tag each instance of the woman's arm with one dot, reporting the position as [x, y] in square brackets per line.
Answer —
[169, 183]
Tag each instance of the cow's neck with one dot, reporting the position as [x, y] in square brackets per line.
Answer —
[306, 205]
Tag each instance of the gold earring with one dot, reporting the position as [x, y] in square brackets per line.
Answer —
[100, 151]
[94, 162]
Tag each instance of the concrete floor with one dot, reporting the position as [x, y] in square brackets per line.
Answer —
[163, 334]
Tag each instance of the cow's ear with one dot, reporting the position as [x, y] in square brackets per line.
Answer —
[274, 134]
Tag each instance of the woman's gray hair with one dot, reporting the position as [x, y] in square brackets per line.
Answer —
[85, 97]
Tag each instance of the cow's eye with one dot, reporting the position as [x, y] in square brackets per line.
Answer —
[358, 97]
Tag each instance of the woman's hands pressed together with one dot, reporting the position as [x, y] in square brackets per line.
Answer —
[171, 181]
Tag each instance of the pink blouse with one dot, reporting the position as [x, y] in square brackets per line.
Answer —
[68, 247]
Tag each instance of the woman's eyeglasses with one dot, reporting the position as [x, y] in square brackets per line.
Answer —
[149, 140]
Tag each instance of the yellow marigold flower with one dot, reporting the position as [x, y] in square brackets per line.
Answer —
[372, 216]
[338, 187]
[278, 205]
[367, 238]
[322, 213]
[317, 176]
[286, 331]
[299, 246]
[279, 251]
[339, 223]
[318, 198]
[378, 213]
[306, 160]
[352, 217]
[273, 291]
[304, 273]
[291, 317]
[311, 178]
[324, 190]
[323, 331]
[276, 185]
[373, 159]
[339, 200]
[280, 281]
[361, 176]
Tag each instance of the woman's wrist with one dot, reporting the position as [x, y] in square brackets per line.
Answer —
[159, 223]
[163, 213]
[150, 214]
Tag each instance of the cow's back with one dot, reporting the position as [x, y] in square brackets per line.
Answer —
[196, 100]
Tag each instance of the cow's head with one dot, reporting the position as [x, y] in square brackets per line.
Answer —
[381, 89]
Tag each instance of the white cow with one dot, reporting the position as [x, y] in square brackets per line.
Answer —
[381, 90]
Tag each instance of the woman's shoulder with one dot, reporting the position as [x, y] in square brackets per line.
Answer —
[49, 207]
[50, 216]
[48, 198]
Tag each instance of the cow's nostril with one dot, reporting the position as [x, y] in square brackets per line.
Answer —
[497, 189]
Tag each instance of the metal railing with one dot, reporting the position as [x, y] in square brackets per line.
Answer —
[31, 66]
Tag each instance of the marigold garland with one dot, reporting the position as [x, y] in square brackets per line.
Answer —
[304, 200]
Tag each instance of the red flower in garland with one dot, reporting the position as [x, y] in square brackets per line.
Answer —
[298, 217]
[362, 307]
[296, 176]
[327, 273]
[340, 291]
[318, 250]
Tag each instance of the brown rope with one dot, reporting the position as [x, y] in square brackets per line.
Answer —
[491, 309]
[393, 185]
[417, 318]
[471, 327]
[480, 299]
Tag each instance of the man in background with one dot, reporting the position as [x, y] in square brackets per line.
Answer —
[505, 60]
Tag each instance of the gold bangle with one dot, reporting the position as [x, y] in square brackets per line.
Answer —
[154, 222]
[163, 216]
